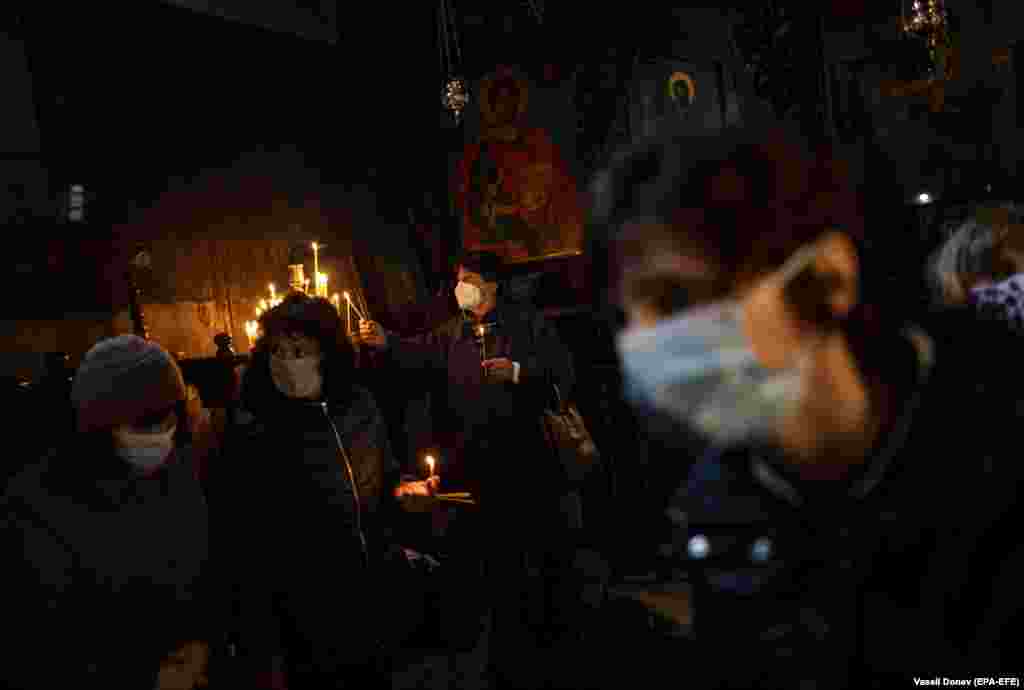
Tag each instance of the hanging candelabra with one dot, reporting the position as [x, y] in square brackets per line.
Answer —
[455, 89]
[929, 22]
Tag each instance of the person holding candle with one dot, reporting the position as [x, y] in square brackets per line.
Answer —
[322, 486]
[489, 432]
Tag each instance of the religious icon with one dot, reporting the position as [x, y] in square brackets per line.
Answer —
[513, 189]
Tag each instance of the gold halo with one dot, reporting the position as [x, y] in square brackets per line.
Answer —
[487, 83]
[678, 77]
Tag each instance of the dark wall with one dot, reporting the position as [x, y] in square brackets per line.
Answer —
[314, 20]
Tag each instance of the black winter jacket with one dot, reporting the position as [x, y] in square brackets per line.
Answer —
[887, 575]
[106, 571]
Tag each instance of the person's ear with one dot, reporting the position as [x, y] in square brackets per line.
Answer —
[837, 266]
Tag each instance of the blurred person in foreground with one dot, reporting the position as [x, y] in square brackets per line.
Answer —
[854, 513]
[107, 539]
[317, 491]
[489, 433]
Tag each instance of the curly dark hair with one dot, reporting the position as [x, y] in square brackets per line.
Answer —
[313, 317]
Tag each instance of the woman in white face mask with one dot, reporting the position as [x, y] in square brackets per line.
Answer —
[295, 362]
[845, 426]
[114, 527]
[317, 449]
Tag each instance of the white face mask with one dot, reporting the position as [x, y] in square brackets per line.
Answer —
[147, 451]
[297, 378]
[699, 367]
[469, 296]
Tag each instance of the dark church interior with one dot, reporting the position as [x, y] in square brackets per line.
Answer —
[512, 345]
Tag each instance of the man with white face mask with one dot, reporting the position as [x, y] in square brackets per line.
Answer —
[821, 527]
[486, 424]
[114, 532]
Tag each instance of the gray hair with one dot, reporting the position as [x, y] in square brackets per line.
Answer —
[972, 252]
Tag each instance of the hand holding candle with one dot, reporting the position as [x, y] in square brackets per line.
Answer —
[498, 370]
[418, 496]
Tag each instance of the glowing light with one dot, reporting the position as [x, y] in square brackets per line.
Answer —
[359, 313]
[924, 198]
[430, 464]
[252, 331]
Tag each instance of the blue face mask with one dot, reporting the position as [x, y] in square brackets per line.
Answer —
[698, 368]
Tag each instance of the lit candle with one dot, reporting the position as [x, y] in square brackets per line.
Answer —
[306, 285]
[316, 259]
[348, 298]
[321, 285]
[273, 293]
[483, 342]
[430, 466]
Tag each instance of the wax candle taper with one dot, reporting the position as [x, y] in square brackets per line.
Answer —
[316, 259]
[360, 314]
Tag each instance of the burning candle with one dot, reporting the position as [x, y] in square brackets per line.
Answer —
[273, 294]
[361, 315]
[321, 285]
[483, 342]
[306, 285]
[430, 466]
[251, 331]
[316, 259]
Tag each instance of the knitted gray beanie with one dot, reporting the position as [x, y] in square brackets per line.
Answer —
[123, 379]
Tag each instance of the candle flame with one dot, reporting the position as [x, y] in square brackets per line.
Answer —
[430, 463]
[315, 246]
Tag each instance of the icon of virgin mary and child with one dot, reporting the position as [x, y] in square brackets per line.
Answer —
[512, 179]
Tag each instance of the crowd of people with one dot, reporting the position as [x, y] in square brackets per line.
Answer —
[849, 522]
